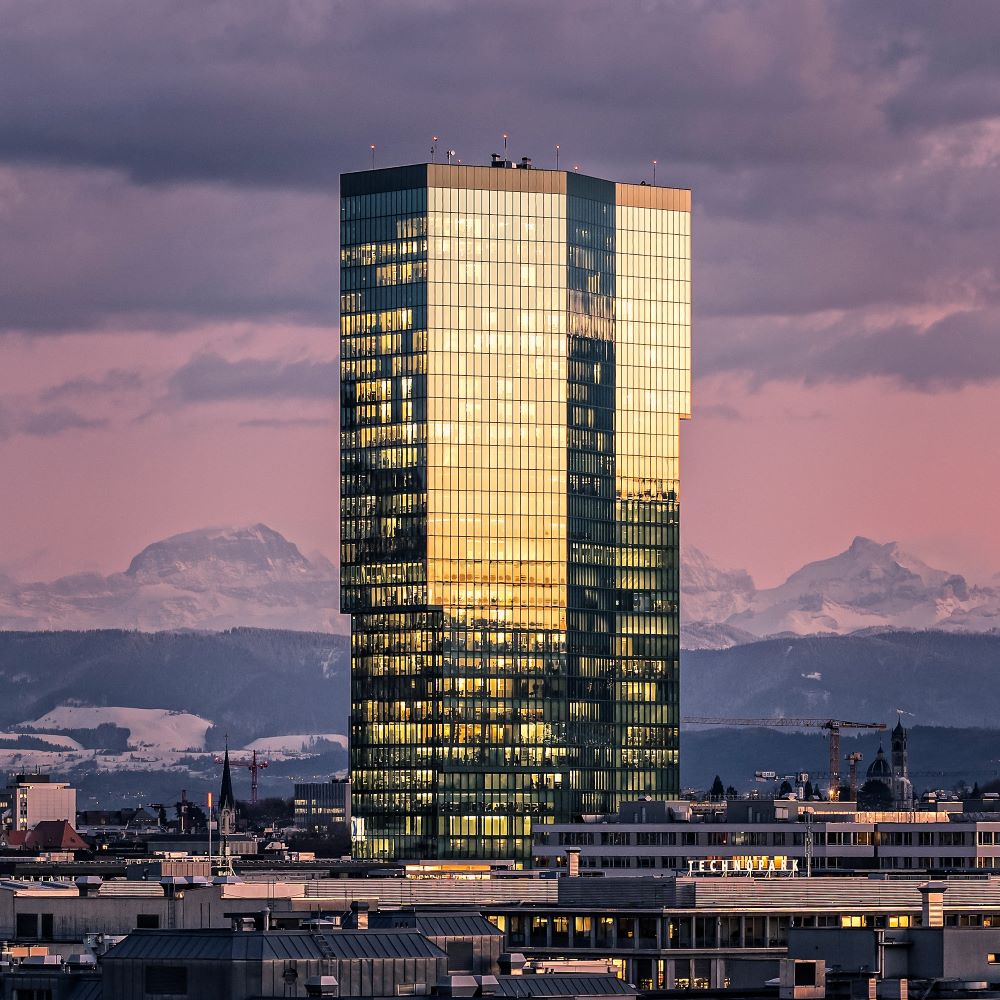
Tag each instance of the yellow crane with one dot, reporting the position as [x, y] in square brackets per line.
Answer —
[832, 726]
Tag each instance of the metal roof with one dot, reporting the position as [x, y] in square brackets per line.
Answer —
[434, 892]
[432, 924]
[563, 984]
[256, 946]
[89, 989]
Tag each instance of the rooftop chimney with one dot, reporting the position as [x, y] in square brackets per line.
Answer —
[512, 963]
[360, 915]
[89, 885]
[573, 862]
[932, 904]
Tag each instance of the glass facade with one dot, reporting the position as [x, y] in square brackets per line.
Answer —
[515, 353]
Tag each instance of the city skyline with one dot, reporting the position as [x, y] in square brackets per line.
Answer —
[167, 227]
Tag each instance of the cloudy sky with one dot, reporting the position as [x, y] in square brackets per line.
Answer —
[168, 251]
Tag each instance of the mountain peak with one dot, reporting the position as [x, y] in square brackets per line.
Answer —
[868, 546]
[254, 547]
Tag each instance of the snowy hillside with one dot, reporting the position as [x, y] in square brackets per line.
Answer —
[149, 728]
[211, 579]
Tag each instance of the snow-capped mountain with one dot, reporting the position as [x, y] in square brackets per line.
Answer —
[870, 585]
[712, 594]
[214, 578]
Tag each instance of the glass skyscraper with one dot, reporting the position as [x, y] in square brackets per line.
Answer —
[515, 361]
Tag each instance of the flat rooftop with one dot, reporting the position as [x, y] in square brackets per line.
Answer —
[514, 178]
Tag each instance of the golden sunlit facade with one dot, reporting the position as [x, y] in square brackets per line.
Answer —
[515, 352]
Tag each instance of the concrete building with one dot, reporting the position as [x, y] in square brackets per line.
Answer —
[661, 932]
[319, 803]
[515, 364]
[446, 954]
[33, 798]
[646, 837]
[933, 954]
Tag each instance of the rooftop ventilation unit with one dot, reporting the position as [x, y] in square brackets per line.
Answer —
[322, 986]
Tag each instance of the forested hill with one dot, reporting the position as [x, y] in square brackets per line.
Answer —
[933, 678]
[249, 682]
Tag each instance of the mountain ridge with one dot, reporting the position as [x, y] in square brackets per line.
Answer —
[251, 575]
[869, 585]
[209, 578]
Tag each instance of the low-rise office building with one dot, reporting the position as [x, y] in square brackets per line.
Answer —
[646, 837]
[318, 804]
[722, 932]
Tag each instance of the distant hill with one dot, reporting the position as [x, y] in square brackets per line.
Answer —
[213, 578]
[869, 585]
[288, 694]
[937, 678]
[250, 682]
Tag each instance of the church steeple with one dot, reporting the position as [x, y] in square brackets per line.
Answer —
[900, 768]
[227, 801]
[226, 797]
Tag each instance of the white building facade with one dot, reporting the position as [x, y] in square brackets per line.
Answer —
[674, 836]
[34, 798]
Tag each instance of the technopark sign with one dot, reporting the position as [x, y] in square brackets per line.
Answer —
[765, 867]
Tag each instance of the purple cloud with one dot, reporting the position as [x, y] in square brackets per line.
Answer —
[211, 378]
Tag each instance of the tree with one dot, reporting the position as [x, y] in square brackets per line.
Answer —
[718, 790]
[731, 792]
[808, 792]
[272, 811]
[874, 796]
[785, 789]
[334, 841]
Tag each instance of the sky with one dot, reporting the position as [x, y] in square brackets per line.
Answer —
[168, 251]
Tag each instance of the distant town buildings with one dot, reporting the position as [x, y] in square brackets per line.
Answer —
[515, 358]
[887, 780]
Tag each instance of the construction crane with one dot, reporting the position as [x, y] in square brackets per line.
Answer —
[253, 765]
[833, 726]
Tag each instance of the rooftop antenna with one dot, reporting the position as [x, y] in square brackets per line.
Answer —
[450, 154]
[434, 142]
[373, 155]
[557, 156]
[654, 173]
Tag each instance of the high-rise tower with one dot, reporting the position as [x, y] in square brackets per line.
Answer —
[515, 361]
